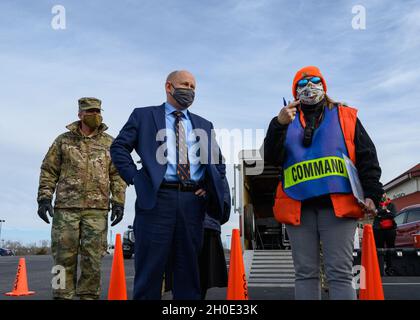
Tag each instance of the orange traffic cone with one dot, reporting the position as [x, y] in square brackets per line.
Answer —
[117, 287]
[20, 288]
[237, 287]
[373, 289]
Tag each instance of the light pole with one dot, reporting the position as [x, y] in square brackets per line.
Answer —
[1, 223]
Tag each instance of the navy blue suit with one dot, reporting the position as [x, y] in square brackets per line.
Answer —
[168, 223]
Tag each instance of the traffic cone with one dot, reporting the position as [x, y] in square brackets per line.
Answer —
[373, 289]
[117, 287]
[237, 287]
[20, 288]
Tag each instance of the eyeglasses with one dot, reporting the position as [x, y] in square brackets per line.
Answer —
[303, 82]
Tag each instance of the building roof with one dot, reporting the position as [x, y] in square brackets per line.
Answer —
[409, 201]
[408, 175]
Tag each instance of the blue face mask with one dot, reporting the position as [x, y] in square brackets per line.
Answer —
[184, 97]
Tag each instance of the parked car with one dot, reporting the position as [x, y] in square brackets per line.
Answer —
[6, 252]
[128, 243]
[408, 224]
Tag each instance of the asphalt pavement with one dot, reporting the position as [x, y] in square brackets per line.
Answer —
[39, 280]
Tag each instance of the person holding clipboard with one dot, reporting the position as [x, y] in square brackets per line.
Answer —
[309, 139]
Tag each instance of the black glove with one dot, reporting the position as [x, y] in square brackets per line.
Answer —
[117, 214]
[44, 206]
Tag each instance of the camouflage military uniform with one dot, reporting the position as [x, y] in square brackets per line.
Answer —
[79, 169]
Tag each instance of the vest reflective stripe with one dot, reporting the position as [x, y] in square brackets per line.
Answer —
[314, 169]
[318, 169]
[288, 210]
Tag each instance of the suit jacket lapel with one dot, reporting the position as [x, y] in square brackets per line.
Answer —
[198, 124]
[195, 121]
[159, 117]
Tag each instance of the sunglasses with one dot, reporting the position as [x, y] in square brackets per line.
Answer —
[303, 82]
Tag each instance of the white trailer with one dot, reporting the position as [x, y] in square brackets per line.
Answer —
[267, 254]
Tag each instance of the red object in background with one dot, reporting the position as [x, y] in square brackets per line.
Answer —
[408, 200]
[416, 240]
[408, 224]
[403, 200]
[386, 223]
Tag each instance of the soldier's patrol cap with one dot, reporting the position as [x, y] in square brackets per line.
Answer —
[87, 103]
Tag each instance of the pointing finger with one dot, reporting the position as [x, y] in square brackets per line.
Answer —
[293, 104]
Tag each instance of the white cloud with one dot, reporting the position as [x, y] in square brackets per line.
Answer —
[244, 54]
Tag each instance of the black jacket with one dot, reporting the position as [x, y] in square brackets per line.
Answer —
[366, 158]
[388, 213]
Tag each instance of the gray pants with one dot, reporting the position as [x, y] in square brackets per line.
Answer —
[319, 223]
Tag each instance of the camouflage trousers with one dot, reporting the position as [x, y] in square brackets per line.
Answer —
[74, 232]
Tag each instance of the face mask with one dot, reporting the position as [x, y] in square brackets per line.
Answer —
[311, 93]
[93, 121]
[184, 97]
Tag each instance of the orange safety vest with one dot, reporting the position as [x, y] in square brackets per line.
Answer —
[287, 210]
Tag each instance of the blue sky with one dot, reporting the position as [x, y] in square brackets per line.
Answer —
[244, 55]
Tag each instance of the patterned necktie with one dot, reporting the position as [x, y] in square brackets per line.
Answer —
[183, 164]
